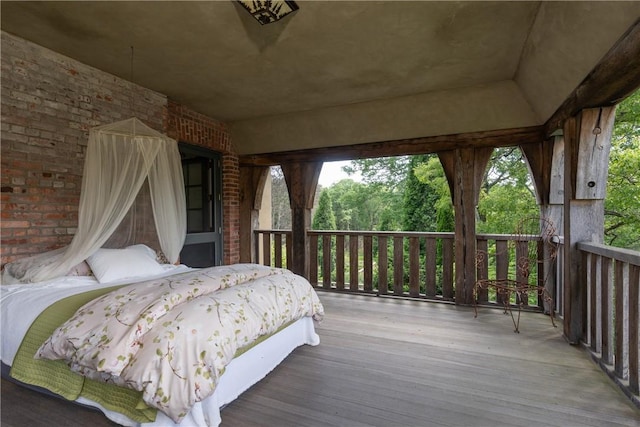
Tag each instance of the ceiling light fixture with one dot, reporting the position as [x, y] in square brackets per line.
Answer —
[268, 11]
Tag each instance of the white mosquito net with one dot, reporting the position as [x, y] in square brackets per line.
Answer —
[131, 173]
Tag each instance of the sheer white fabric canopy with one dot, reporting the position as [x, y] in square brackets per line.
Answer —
[128, 166]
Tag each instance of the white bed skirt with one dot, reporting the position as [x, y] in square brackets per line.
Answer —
[243, 371]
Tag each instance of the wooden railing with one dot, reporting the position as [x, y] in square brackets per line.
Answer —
[402, 264]
[273, 247]
[375, 262]
[612, 278]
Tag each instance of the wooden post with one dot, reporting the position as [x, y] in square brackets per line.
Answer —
[587, 140]
[252, 180]
[301, 179]
[554, 212]
[465, 169]
[546, 165]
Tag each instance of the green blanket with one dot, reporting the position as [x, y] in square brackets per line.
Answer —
[55, 375]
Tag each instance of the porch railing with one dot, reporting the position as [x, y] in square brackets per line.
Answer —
[612, 278]
[401, 264]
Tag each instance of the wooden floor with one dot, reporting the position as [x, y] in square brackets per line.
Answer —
[385, 362]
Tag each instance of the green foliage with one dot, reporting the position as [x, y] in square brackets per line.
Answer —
[324, 219]
[627, 123]
[360, 206]
[431, 172]
[506, 194]
[419, 202]
[388, 172]
[622, 204]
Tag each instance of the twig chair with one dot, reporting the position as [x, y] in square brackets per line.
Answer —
[535, 244]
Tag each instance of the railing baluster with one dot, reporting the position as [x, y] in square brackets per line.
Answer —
[430, 267]
[502, 265]
[367, 248]
[266, 249]
[414, 266]
[523, 269]
[326, 261]
[340, 262]
[353, 262]
[619, 320]
[383, 277]
[482, 271]
[277, 246]
[398, 265]
[606, 313]
[634, 285]
[593, 302]
[447, 269]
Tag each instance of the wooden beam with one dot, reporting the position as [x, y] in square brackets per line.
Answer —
[448, 162]
[402, 147]
[615, 77]
[538, 157]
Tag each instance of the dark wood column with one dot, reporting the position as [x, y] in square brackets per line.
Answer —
[545, 160]
[252, 180]
[464, 169]
[539, 158]
[587, 140]
[301, 179]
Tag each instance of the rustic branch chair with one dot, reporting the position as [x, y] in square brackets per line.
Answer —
[535, 244]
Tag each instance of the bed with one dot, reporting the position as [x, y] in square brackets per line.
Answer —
[147, 385]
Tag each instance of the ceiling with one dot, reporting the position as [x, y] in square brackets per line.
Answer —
[338, 73]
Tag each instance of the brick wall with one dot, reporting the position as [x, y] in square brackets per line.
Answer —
[186, 125]
[49, 102]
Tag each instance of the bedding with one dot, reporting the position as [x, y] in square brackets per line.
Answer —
[200, 297]
[110, 265]
[56, 377]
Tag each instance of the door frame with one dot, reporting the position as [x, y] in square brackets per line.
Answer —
[214, 180]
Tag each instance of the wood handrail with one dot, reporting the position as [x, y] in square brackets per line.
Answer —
[620, 254]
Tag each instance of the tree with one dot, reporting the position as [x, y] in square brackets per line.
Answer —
[419, 213]
[324, 218]
[431, 172]
[280, 205]
[389, 172]
[383, 181]
[506, 194]
[622, 203]
[360, 206]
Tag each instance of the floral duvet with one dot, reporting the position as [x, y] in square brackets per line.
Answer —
[172, 338]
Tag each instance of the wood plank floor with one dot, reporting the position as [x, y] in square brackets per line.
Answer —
[385, 362]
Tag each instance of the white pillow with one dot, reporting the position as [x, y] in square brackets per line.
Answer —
[109, 265]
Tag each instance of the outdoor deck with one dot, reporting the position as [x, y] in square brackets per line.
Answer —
[394, 362]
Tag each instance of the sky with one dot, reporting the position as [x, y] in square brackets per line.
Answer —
[332, 173]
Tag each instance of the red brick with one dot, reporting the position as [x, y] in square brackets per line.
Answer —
[46, 126]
